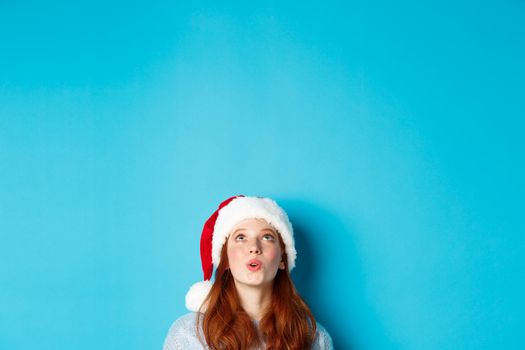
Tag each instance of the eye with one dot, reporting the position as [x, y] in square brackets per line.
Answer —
[240, 237]
[268, 237]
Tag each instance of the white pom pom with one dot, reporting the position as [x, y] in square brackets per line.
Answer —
[196, 295]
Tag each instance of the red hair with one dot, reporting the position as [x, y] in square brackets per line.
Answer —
[287, 324]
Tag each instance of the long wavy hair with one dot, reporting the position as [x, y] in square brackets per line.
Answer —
[287, 324]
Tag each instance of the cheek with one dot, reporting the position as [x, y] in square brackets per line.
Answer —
[234, 254]
[273, 253]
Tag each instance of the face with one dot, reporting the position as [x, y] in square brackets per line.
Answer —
[254, 253]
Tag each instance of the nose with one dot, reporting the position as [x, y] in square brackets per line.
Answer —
[255, 248]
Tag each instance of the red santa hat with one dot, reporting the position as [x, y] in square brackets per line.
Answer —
[218, 227]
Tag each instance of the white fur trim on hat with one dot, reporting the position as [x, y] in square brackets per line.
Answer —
[196, 295]
[252, 208]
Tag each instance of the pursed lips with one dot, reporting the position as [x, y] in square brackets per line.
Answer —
[254, 265]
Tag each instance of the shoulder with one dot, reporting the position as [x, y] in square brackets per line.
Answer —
[183, 334]
[322, 340]
[184, 321]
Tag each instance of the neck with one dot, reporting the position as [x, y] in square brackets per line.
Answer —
[254, 300]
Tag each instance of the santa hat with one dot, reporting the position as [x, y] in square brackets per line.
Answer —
[217, 228]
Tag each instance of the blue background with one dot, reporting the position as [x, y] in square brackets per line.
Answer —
[392, 133]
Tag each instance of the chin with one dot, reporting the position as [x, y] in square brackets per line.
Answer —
[255, 283]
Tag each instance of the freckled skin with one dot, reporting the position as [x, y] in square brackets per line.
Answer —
[254, 239]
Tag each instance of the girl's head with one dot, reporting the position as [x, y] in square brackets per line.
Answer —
[249, 241]
[249, 228]
[254, 253]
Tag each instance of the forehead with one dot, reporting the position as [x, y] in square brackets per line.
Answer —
[253, 224]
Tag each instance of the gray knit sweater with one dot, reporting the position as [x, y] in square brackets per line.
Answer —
[182, 335]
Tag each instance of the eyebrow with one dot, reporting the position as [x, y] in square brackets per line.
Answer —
[244, 229]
